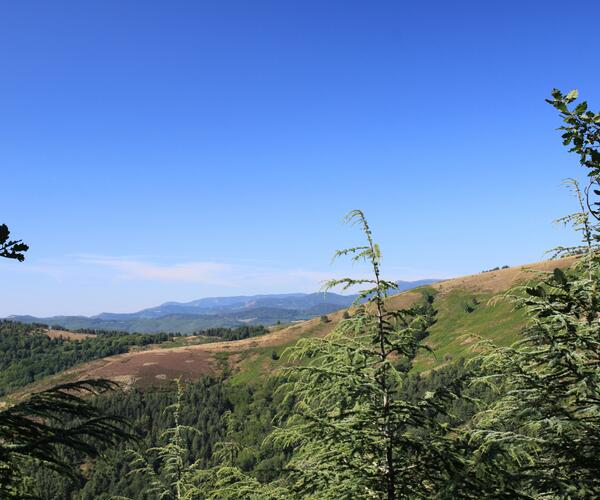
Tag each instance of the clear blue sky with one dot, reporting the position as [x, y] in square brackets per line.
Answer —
[155, 151]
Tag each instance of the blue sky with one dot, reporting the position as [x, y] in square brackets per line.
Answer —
[155, 151]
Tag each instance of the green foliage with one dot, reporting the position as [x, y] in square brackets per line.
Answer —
[229, 422]
[239, 333]
[471, 305]
[581, 130]
[174, 478]
[150, 413]
[230, 479]
[231, 483]
[541, 436]
[40, 427]
[353, 432]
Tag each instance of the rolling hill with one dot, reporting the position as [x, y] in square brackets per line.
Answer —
[211, 312]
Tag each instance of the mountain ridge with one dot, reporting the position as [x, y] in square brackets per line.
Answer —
[211, 312]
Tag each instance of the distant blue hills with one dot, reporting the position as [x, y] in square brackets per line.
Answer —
[212, 312]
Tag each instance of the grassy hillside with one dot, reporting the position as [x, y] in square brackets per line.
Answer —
[467, 308]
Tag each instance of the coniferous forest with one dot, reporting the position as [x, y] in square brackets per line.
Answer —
[348, 414]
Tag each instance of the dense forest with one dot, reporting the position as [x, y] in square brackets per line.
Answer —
[347, 415]
[219, 412]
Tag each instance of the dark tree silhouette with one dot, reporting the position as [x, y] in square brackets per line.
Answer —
[11, 249]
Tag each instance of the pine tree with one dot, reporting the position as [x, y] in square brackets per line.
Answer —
[352, 432]
[541, 437]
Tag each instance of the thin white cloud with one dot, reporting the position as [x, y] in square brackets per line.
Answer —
[209, 273]
[240, 276]
[54, 271]
[246, 278]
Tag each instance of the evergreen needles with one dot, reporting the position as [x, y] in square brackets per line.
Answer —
[540, 437]
[353, 433]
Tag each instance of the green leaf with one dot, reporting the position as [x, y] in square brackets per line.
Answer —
[536, 291]
[4, 233]
[560, 277]
[571, 96]
[581, 107]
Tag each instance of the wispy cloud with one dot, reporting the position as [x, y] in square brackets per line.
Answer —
[243, 276]
[48, 269]
[209, 273]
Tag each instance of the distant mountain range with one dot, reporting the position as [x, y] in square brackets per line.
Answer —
[190, 317]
